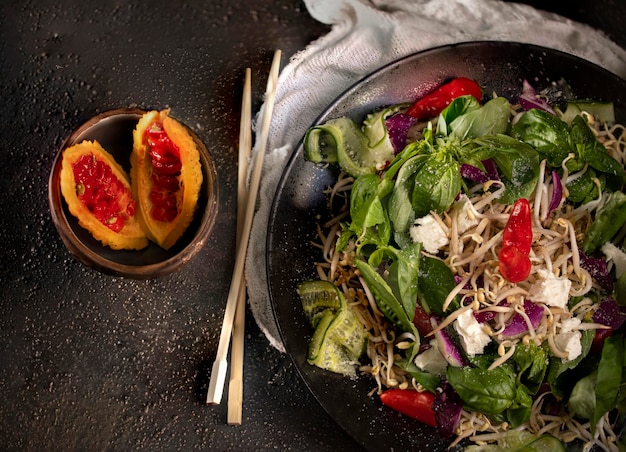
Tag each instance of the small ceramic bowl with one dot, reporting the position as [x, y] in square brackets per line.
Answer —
[114, 129]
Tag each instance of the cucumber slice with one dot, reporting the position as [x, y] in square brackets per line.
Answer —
[318, 297]
[342, 345]
[339, 337]
[341, 140]
[320, 145]
[325, 319]
[602, 111]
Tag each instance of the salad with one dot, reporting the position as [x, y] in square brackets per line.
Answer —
[475, 266]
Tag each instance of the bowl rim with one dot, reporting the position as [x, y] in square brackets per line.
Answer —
[95, 260]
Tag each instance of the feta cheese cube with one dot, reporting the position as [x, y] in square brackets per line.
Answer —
[429, 232]
[466, 215]
[550, 290]
[431, 360]
[569, 342]
[473, 337]
[570, 324]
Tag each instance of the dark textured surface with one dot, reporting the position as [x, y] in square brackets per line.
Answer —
[89, 361]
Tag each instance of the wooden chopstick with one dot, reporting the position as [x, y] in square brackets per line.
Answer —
[235, 385]
[220, 366]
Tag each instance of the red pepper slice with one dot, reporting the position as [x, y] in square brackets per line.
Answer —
[418, 405]
[517, 239]
[514, 265]
[434, 103]
[518, 231]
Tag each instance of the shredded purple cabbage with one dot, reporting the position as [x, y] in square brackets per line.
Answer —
[492, 169]
[474, 173]
[447, 347]
[447, 407]
[398, 126]
[517, 325]
[479, 176]
[609, 314]
[529, 99]
[555, 201]
[485, 316]
[598, 269]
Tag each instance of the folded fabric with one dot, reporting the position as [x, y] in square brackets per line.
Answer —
[366, 35]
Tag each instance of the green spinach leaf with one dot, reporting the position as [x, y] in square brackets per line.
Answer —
[583, 188]
[609, 219]
[609, 377]
[531, 361]
[434, 283]
[519, 411]
[546, 133]
[517, 162]
[487, 391]
[591, 151]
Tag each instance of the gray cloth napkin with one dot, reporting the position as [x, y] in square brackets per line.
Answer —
[366, 35]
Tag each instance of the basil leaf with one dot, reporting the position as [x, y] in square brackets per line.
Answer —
[389, 305]
[609, 377]
[531, 361]
[434, 283]
[591, 151]
[402, 273]
[582, 400]
[456, 108]
[422, 147]
[582, 188]
[345, 237]
[519, 411]
[401, 211]
[366, 209]
[487, 391]
[491, 118]
[370, 221]
[429, 381]
[609, 219]
[385, 299]
[437, 184]
[517, 162]
[546, 133]
[406, 273]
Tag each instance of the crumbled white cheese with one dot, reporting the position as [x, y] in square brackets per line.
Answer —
[431, 360]
[473, 338]
[550, 290]
[570, 324]
[617, 255]
[466, 215]
[569, 342]
[430, 233]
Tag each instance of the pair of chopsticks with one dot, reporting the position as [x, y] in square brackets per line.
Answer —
[234, 315]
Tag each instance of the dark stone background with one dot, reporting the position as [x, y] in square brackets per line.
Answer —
[92, 362]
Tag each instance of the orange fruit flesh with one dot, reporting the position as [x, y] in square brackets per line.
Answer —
[98, 193]
[166, 177]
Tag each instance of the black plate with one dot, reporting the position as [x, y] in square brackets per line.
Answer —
[299, 205]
